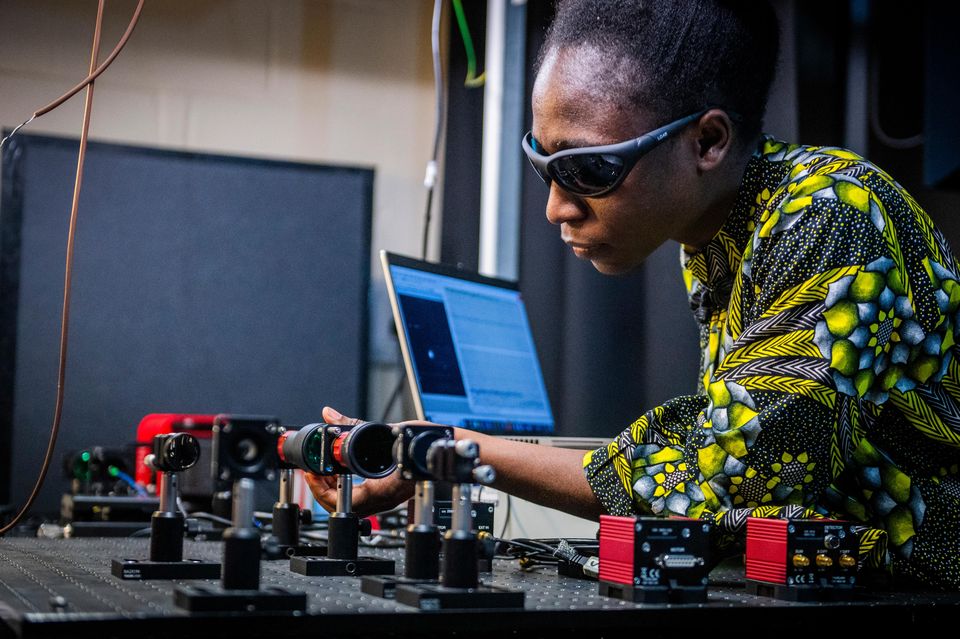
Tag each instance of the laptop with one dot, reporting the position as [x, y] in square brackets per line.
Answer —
[469, 353]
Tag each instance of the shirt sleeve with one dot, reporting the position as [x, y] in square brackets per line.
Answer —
[790, 379]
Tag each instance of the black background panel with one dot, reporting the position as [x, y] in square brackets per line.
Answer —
[202, 284]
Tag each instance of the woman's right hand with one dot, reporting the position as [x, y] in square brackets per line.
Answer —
[369, 497]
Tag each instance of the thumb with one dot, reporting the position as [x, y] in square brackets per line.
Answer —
[333, 416]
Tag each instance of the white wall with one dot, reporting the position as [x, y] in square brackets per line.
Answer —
[331, 81]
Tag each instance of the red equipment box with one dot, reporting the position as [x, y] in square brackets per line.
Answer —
[801, 559]
[654, 559]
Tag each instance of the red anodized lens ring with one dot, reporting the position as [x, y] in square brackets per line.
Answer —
[337, 447]
[280, 441]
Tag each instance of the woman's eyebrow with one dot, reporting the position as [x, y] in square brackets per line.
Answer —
[563, 144]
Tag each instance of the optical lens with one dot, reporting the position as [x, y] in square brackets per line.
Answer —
[312, 449]
[247, 450]
[367, 450]
[180, 451]
[588, 173]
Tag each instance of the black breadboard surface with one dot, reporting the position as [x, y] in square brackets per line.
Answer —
[64, 588]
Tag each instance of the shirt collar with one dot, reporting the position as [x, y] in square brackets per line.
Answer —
[715, 266]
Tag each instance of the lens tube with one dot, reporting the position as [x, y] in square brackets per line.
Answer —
[366, 450]
[323, 449]
[303, 448]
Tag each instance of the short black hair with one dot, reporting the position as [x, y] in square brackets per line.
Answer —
[674, 57]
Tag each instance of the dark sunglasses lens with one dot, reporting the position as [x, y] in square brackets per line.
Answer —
[542, 173]
[587, 174]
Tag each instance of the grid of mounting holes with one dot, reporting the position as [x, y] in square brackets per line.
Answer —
[73, 576]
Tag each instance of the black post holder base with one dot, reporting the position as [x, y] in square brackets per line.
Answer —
[306, 550]
[282, 551]
[654, 594]
[185, 569]
[385, 586]
[433, 596]
[217, 599]
[326, 567]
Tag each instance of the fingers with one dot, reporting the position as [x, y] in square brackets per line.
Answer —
[333, 416]
[324, 489]
[369, 497]
[418, 422]
[379, 495]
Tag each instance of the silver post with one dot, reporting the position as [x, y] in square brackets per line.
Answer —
[168, 492]
[286, 485]
[423, 503]
[344, 493]
[462, 519]
[243, 503]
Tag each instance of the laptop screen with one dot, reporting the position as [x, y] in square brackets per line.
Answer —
[468, 349]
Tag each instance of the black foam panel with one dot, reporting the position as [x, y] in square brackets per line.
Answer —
[201, 284]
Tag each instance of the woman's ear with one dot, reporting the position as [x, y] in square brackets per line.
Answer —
[714, 132]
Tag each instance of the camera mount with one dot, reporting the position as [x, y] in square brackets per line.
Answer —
[172, 454]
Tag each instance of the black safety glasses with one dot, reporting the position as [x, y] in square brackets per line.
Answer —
[592, 171]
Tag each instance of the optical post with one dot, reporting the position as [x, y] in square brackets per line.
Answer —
[422, 542]
[244, 450]
[172, 454]
[287, 519]
[458, 463]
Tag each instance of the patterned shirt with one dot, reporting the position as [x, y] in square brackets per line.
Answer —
[830, 380]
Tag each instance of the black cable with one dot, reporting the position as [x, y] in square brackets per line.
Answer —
[211, 517]
[426, 223]
[541, 552]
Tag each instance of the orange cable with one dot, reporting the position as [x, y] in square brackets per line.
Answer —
[95, 71]
[68, 272]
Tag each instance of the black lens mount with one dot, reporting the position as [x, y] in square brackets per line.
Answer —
[245, 447]
[175, 452]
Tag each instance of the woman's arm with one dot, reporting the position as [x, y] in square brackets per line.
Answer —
[551, 477]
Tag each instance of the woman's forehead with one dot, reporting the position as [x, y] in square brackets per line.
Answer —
[570, 110]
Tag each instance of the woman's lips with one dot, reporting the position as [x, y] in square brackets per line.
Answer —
[583, 249]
